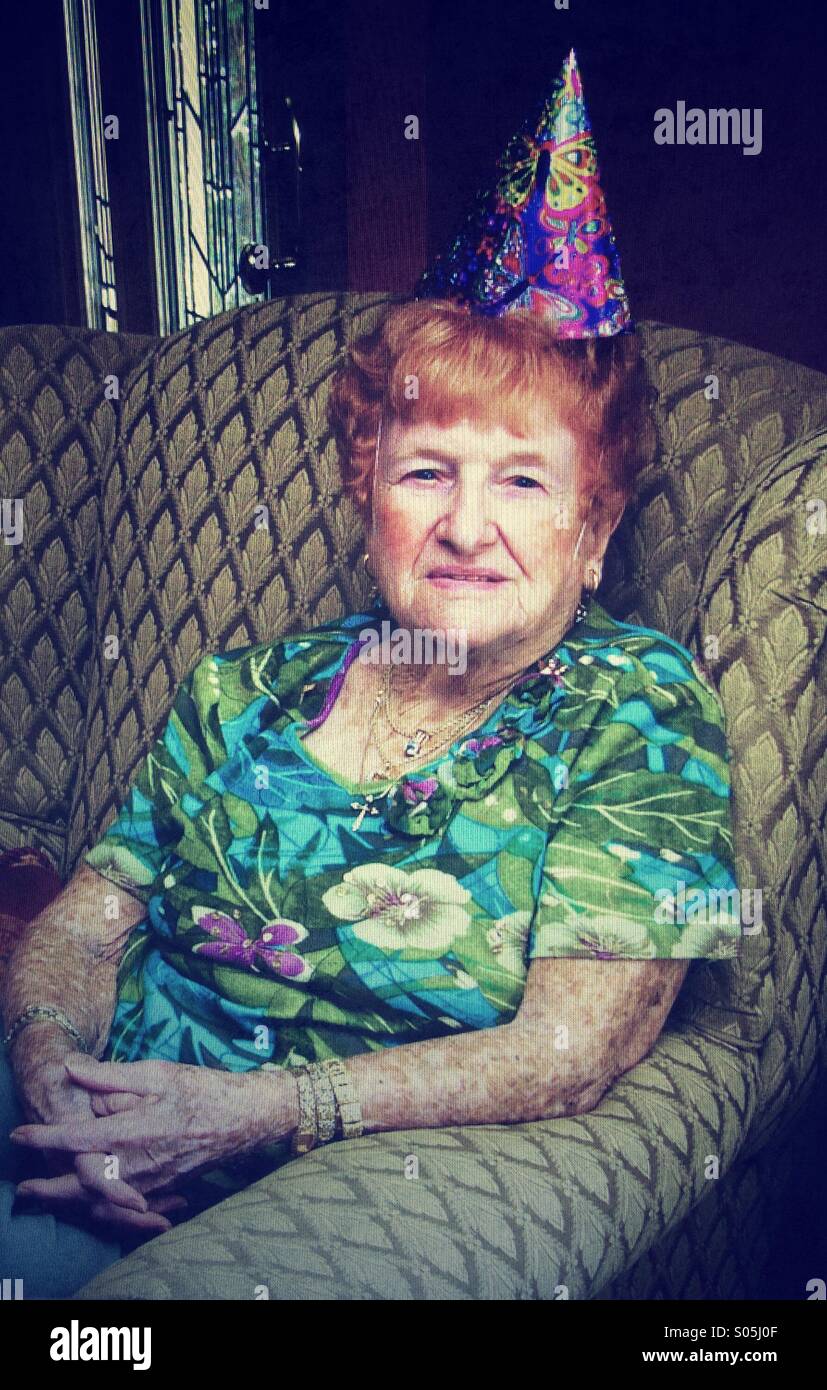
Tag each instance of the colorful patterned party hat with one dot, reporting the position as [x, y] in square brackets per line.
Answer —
[541, 239]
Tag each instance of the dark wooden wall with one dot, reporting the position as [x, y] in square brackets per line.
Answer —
[709, 237]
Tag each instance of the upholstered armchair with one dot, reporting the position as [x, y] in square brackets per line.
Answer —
[142, 521]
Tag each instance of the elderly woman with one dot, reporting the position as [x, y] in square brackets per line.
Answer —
[347, 895]
[449, 881]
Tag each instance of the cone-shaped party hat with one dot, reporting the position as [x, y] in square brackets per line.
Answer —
[540, 238]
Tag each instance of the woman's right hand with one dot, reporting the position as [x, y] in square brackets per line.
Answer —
[49, 1096]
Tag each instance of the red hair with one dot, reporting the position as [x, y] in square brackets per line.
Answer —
[494, 370]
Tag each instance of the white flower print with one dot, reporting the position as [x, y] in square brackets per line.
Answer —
[422, 909]
[714, 940]
[601, 937]
[508, 940]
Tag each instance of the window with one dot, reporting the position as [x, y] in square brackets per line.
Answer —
[202, 124]
[97, 254]
[198, 84]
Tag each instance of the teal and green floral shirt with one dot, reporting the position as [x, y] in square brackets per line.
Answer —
[290, 918]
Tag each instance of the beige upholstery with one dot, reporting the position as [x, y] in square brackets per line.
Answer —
[142, 524]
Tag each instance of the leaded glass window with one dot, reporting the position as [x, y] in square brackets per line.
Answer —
[198, 73]
[202, 117]
[96, 249]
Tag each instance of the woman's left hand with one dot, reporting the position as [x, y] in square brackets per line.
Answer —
[164, 1121]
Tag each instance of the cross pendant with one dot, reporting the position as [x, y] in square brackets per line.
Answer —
[365, 809]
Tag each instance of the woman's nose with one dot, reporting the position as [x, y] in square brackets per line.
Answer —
[468, 519]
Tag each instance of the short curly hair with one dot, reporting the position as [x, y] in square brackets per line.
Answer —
[493, 370]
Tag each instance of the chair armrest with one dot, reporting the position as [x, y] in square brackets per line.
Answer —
[496, 1211]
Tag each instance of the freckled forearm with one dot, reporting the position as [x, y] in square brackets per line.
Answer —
[563, 1052]
[517, 1072]
[494, 1076]
[68, 957]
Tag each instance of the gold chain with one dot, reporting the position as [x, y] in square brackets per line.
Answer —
[391, 767]
[455, 723]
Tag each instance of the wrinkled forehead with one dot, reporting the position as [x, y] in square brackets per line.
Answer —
[540, 436]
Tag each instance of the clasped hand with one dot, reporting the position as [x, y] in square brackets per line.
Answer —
[162, 1121]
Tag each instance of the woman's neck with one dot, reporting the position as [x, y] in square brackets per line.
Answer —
[433, 691]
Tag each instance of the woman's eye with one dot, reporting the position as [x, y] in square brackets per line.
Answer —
[427, 475]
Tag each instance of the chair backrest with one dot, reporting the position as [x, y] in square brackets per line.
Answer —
[224, 521]
[726, 550]
[57, 428]
[228, 419]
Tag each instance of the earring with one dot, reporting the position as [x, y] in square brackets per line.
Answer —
[582, 610]
[374, 588]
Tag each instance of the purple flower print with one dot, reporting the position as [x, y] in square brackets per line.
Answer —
[232, 946]
[417, 789]
[476, 745]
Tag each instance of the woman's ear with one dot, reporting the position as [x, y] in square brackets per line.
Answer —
[604, 519]
[601, 522]
[613, 519]
[364, 509]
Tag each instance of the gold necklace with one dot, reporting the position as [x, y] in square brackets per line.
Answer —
[549, 667]
[414, 741]
[390, 767]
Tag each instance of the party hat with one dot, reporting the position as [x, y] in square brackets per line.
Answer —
[541, 239]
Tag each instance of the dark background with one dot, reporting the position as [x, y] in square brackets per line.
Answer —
[709, 238]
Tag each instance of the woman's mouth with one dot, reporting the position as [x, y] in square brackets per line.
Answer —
[457, 578]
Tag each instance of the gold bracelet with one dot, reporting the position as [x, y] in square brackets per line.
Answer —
[46, 1013]
[306, 1131]
[326, 1109]
[350, 1112]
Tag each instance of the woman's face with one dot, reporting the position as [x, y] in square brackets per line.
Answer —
[476, 528]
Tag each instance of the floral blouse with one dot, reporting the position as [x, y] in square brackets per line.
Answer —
[293, 915]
